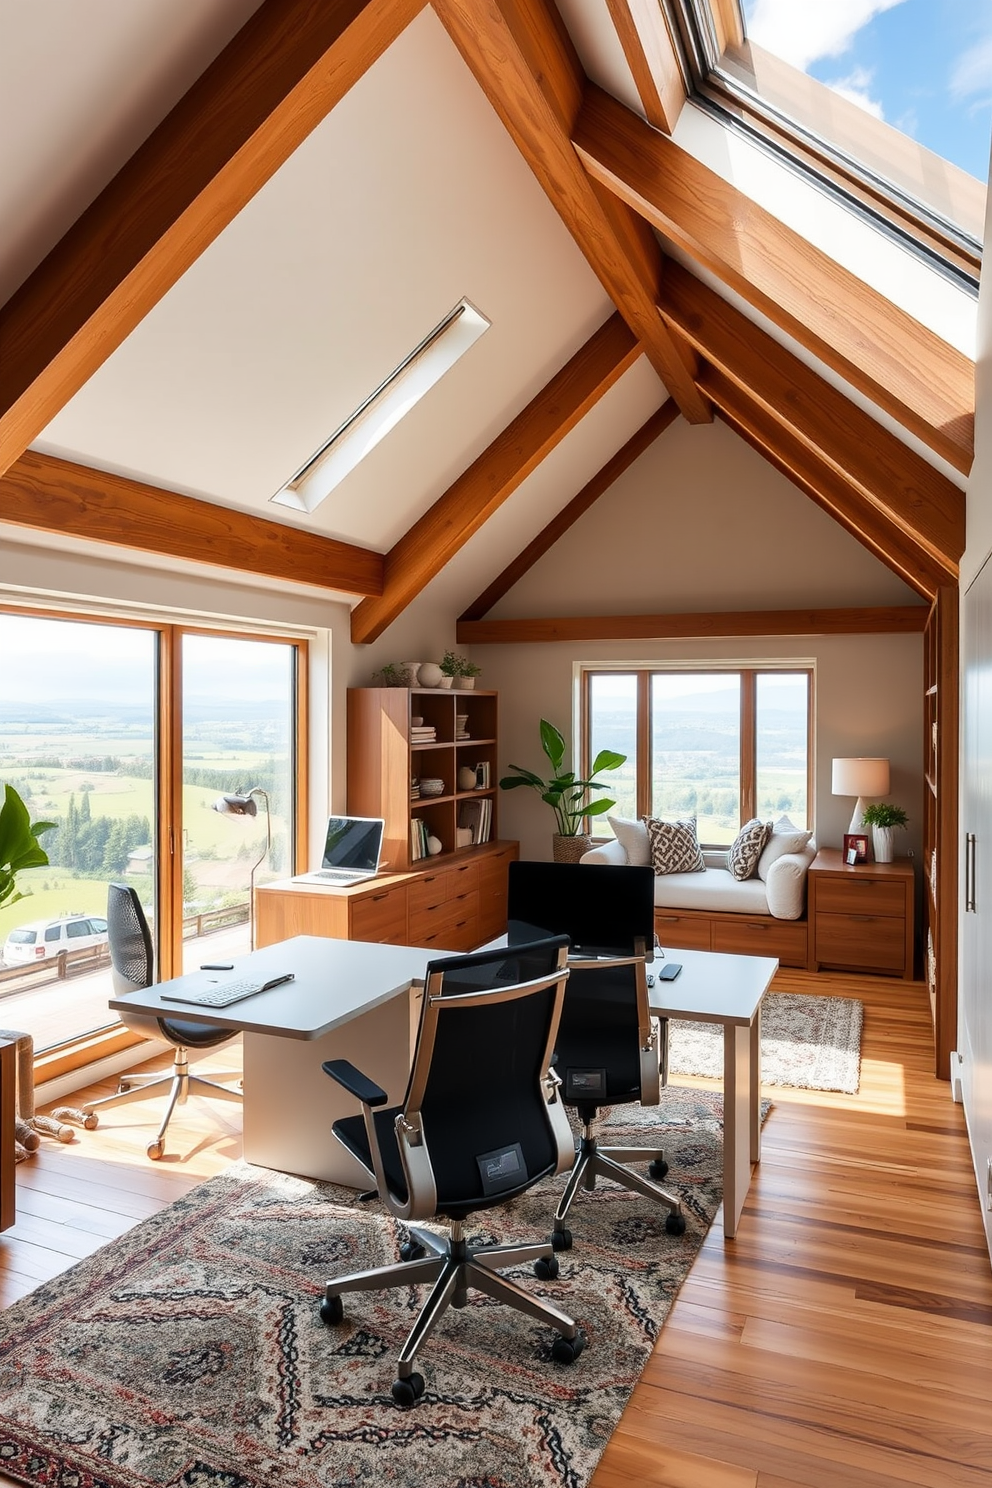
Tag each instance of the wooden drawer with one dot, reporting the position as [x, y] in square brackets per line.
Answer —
[740, 936]
[871, 942]
[461, 879]
[381, 917]
[874, 896]
[426, 893]
[456, 918]
[685, 931]
[494, 867]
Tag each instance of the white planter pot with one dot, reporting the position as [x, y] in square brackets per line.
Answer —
[882, 843]
[464, 684]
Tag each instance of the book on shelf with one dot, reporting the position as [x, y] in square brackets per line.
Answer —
[418, 839]
[477, 817]
[426, 735]
[482, 775]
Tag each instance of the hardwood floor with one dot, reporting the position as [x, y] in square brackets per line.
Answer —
[843, 1340]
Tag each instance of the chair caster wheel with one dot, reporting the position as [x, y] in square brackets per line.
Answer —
[567, 1350]
[331, 1310]
[675, 1223]
[406, 1392]
[90, 1120]
[123, 1086]
[547, 1268]
[658, 1169]
[412, 1250]
[561, 1239]
[155, 1150]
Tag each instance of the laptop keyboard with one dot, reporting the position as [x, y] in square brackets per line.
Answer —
[331, 876]
[220, 996]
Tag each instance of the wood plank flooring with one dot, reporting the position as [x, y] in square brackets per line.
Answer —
[843, 1340]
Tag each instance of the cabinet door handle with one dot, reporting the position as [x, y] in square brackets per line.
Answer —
[377, 897]
[864, 919]
[969, 874]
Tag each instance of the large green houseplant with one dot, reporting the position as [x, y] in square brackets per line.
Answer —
[565, 793]
[19, 845]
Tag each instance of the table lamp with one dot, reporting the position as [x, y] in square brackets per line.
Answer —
[243, 803]
[859, 777]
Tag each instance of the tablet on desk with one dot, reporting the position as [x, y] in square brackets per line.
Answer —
[222, 994]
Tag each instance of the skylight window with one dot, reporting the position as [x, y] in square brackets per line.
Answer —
[383, 409]
[886, 104]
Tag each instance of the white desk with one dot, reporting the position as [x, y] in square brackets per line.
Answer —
[718, 988]
[350, 999]
[357, 1000]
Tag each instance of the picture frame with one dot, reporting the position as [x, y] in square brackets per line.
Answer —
[855, 848]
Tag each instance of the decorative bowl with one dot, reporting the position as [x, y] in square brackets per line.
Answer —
[431, 787]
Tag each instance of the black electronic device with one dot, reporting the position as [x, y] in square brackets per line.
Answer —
[216, 965]
[669, 971]
[599, 906]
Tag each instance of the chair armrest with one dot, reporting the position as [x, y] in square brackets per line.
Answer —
[357, 1084]
[785, 886]
[610, 852]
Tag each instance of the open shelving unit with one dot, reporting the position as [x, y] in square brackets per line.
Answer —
[385, 755]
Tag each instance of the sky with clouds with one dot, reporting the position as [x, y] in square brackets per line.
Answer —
[924, 66]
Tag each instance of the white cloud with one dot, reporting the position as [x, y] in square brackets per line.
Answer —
[855, 88]
[972, 72]
[802, 31]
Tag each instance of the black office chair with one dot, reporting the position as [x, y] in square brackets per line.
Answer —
[482, 1122]
[609, 1051]
[132, 968]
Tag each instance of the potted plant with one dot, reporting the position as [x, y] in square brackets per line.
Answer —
[449, 665]
[566, 794]
[19, 845]
[883, 818]
[469, 670]
[389, 675]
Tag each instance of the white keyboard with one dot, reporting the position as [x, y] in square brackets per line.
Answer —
[222, 994]
[330, 875]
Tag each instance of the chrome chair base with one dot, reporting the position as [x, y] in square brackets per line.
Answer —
[593, 1161]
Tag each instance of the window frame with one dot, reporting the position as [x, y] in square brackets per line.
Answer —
[113, 1037]
[944, 245]
[748, 673]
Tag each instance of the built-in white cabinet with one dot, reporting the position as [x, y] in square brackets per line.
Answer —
[975, 1016]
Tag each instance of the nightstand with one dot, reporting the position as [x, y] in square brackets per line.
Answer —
[860, 915]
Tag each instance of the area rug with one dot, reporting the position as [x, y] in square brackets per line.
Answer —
[810, 1043]
[189, 1353]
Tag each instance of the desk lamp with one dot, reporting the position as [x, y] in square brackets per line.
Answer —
[243, 803]
[859, 777]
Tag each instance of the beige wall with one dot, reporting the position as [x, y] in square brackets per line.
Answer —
[701, 522]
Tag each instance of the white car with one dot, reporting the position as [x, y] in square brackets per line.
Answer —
[42, 939]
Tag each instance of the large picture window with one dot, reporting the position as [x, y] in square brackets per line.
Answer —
[722, 744]
[124, 734]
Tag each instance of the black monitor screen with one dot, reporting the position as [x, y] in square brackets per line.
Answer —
[597, 905]
[353, 842]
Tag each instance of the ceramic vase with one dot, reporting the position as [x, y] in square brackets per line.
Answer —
[429, 674]
[881, 839]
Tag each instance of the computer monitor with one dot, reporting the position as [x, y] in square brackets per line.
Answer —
[599, 906]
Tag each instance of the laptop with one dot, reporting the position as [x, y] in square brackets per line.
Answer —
[352, 849]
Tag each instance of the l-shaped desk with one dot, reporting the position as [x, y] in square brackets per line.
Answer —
[357, 1000]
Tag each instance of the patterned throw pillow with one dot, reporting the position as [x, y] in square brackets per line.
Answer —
[674, 846]
[742, 859]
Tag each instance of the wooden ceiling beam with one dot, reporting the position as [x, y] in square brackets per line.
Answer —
[714, 625]
[652, 57]
[891, 476]
[832, 492]
[471, 500]
[528, 70]
[570, 514]
[54, 495]
[924, 383]
[282, 73]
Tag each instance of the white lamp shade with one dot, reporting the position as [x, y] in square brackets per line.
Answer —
[860, 777]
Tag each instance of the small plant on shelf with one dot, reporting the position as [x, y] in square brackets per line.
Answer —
[389, 675]
[453, 665]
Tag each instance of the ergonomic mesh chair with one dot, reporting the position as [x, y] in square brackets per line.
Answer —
[132, 968]
[609, 1050]
[482, 1122]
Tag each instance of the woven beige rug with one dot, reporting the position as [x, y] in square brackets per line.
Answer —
[810, 1043]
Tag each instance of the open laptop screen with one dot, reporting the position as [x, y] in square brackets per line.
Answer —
[353, 842]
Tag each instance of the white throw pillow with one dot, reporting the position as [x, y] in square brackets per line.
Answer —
[633, 838]
[786, 838]
[674, 846]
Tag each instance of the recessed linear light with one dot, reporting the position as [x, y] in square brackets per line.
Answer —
[382, 409]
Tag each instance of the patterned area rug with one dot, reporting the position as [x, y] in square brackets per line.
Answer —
[189, 1353]
[811, 1043]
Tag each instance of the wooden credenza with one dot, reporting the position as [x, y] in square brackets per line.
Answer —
[455, 906]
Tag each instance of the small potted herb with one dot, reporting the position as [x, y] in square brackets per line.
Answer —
[883, 818]
[389, 675]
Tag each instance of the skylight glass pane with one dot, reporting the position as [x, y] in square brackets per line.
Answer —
[383, 409]
[923, 66]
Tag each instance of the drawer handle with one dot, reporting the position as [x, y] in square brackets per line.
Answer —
[376, 897]
[667, 919]
[864, 919]
[757, 925]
